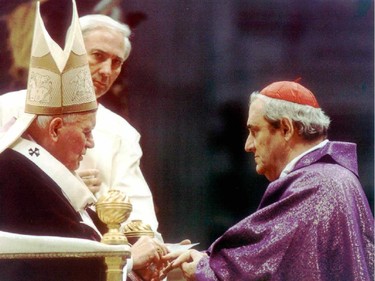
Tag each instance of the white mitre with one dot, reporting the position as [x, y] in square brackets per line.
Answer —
[59, 80]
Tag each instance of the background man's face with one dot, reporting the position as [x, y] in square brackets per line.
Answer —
[106, 51]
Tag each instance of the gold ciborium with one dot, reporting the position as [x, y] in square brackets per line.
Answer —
[135, 229]
[113, 209]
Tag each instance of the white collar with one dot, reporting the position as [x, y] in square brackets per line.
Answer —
[288, 168]
[70, 183]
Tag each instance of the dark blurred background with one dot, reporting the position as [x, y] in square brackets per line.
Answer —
[186, 84]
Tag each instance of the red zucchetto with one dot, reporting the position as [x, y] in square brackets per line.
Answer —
[290, 91]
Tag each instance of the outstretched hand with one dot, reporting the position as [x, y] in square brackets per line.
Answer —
[187, 261]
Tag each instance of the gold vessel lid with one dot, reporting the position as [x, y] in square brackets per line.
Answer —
[136, 228]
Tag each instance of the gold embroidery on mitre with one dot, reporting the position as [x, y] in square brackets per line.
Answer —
[39, 88]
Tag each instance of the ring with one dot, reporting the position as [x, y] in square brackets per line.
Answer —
[159, 250]
[152, 267]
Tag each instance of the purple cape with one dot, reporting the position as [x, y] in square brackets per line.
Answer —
[313, 224]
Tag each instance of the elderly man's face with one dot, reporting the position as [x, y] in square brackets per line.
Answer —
[74, 138]
[266, 142]
[106, 52]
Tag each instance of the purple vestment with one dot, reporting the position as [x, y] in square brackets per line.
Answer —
[313, 224]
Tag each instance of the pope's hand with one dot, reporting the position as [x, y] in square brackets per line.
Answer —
[147, 256]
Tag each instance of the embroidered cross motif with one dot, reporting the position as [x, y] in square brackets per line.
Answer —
[34, 151]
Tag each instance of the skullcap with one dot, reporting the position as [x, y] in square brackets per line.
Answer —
[290, 91]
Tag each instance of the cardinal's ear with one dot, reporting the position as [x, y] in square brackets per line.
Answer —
[287, 128]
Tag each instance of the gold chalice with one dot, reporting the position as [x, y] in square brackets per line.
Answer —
[113, 209]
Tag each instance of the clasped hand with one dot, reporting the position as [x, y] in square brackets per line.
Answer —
[91, 178]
